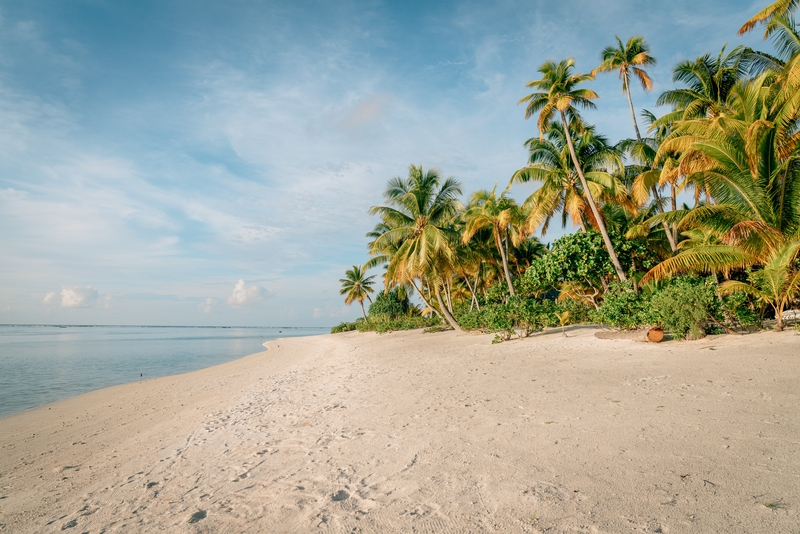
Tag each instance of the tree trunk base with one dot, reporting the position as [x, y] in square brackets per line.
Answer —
[651, 334]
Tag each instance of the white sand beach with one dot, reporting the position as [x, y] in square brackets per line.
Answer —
[412, 432]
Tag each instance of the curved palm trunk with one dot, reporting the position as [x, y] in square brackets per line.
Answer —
[364, 313]
[447, 315]
[422, 296]
[600, 224]
[504, 257]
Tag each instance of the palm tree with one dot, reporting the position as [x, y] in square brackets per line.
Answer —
[777, 284]
[559, 95]
[551, 164]
[650, 177]
[750, 161]
[502, 215]
[709, 81]
[628, 59]
[769, 13]
[357, 286]
[418, 213]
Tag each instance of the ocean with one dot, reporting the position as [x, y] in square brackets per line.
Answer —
[42, 364]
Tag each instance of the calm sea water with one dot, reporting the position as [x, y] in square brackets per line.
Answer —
[42, 364]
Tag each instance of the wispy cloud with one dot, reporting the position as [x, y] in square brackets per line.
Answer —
[251, 145]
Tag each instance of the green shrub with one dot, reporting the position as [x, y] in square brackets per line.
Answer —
[622, 307]
[384, 323]
[684, 306]
[393, 303]
[519, 313]
[681, 306]
[346, 327]
[738, 309]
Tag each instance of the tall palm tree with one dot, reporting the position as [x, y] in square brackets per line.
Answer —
[502, 215]
[356, 286]
[629, 59]
[558, 96]
[419, 211]
[551, 164]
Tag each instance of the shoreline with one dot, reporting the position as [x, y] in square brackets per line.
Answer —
[437, 432]
[42, 365]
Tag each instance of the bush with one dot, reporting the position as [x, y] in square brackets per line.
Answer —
[681, 306]
[684, 306]
[390, 304]
[528, 315]
[346, 327]
[738, 309]
[384, 323]
[622, 307]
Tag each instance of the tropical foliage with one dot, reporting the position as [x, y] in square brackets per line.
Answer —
[692, 224]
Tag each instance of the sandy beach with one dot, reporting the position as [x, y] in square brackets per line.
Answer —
[412, 432]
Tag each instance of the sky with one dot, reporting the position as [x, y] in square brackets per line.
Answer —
[212, 163]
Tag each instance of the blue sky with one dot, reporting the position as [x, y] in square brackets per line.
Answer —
[212, 163]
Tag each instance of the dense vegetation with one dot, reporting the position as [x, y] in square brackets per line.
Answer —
[731, 138]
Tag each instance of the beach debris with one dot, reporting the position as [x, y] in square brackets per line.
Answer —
[653, 334]
[197, 516]
[340, 495]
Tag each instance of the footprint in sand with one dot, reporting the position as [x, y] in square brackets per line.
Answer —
[197, 516]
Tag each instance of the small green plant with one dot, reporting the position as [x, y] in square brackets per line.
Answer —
[563, 319]
[343, 327]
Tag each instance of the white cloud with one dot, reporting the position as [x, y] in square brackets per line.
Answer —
[206, 306]
[244, 295]
[77, 297]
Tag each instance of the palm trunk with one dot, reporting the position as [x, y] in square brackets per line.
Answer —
[504, 257]
[364, 313]
[424, 300]
[780, 324]
[449, 295]
[447, 315]
[630, 103]
[600, 224]
[477, 278]
[474, 300]
[656, 196]
[674, 195]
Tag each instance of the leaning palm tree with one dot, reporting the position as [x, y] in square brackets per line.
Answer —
[559, 95]
[629, 59]
[502, 215]
[418, 213]
[356, 286]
